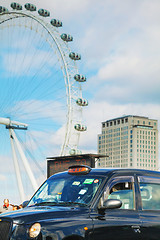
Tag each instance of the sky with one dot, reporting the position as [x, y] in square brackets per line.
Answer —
[119, 45]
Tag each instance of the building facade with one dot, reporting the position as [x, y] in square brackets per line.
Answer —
[129, 142]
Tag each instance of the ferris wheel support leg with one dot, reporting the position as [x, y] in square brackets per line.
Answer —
[16, 166]
[25, 161]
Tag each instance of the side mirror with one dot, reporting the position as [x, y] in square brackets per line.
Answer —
[25, 203]
[112, 204]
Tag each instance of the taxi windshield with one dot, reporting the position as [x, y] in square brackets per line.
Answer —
[68, 189]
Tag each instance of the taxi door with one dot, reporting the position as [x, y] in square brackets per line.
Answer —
[122, 223]
[150, 207]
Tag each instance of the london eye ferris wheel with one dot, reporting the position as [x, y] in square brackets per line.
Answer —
[41, 88]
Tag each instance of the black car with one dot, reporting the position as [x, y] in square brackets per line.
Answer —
[85, 203]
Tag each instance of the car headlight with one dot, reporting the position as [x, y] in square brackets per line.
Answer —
[34, 230]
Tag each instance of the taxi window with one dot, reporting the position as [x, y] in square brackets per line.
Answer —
[122, 189]
[150, 195]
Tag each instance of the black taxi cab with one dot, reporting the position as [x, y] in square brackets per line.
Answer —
[84, 203]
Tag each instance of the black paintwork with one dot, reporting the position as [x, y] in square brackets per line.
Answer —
[88, 222]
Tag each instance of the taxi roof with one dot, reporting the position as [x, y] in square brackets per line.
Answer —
[103, 171]
[110, 171]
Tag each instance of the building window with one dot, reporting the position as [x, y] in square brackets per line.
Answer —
[126, 120]
[110, 123]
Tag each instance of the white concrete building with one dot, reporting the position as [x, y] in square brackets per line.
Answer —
[129, 142]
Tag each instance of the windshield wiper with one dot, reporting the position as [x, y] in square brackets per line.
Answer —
[45, 203]
[74, 203]
[59, 203]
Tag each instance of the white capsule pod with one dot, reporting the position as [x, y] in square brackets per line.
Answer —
[75, 56]
[80, 127]
[72, 152]
[16, 6]
[56, 23]
[82, 102]
[80, 78]
[3, 9]
[30, 7]
[75, 151]
[66, 37]
[44, 13]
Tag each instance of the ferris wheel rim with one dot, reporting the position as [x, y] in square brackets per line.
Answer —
[67, 79]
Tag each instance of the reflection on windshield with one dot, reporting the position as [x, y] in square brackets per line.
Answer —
[67, 190]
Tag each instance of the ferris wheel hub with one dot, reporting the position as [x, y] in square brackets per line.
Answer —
[13, 124]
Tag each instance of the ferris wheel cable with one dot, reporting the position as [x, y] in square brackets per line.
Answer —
[30, 154]
[35, 76]
[43, 82]
[32, 62]
[27, 69]
[48, 89]
[49, 104]
[16, 55]
[40, 103]
[45, 90]
[36, 111]
[37, 115]
[48, 118]
[20, 112]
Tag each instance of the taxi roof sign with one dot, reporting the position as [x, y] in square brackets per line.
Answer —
[79, 169]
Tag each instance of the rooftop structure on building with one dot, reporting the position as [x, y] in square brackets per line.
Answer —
[129, 141]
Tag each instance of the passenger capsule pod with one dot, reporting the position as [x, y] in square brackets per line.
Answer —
[16, 6]
[80, 127]
[72, 152]
[75, 56]
[82, 102]
[44, 13]
[56, 23]
[66, 37]
[3, 9]
[30, 7]
[75, 151]
[80, 78]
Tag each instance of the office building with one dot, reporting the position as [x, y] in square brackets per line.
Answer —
[129, 142]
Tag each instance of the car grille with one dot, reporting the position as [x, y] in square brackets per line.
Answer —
[5, 229]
